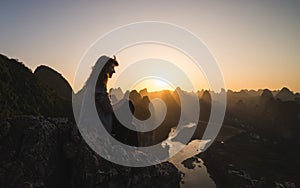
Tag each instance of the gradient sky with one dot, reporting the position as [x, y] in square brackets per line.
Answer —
[256, 43]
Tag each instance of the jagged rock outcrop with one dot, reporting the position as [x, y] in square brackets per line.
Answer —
[49, 152]
[144, 92]
[117, 93]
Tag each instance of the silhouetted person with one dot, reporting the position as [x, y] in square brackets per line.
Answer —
[105, 108]
[103, 104]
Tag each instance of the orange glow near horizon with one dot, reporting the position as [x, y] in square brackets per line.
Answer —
[153, 84]
[156, 67]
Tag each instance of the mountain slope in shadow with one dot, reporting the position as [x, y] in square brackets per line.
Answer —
[54, 80]
[22, 93]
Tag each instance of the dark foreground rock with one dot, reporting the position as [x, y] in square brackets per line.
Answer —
[246, 160]
[47, 152]
[190, 163]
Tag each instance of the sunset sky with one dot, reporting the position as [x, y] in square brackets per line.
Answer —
[256, 43]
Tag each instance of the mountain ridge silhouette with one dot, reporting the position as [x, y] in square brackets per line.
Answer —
[54, 80]
[26, 93]
[22, 93]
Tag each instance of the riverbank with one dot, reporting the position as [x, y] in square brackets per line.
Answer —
[246, 160]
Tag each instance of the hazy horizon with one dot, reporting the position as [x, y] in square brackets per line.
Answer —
[164, 87]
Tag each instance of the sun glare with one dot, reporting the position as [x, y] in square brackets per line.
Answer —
[153, 84]
[156, 67]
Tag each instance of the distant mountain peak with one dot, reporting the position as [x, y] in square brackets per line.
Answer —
[267, 93]
[144, 92]
[285, 95]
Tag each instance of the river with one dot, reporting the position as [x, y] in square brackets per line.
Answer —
[195, 173]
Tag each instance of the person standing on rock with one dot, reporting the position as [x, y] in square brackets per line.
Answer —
[102, 71]
[107, 111]
[103, 103]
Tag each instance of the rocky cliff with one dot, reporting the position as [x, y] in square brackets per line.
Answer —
[49, 152]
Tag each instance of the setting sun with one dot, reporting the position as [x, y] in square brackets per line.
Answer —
[153, 84]
[156, 67]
